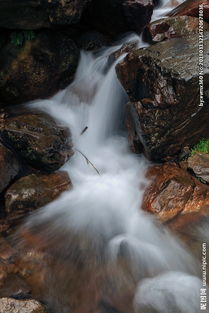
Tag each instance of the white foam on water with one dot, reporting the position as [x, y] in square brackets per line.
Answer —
[107, 205]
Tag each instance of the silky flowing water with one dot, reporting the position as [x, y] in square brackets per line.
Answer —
[102, 211]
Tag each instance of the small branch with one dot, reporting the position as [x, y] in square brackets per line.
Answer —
[88, 161]
[84, 130]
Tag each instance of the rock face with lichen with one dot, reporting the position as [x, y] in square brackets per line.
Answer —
[32, 192]
[38, 68]
[9, 305]
[38, 139]
[166, 28]
[164, 113]
[35, 190]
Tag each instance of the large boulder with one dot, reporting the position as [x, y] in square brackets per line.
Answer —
[114, 17]
[175, 196]
[9, 167]
[38, 139]
[34, 191]
[162, 82]
[10, 305]
[35, 65]
[191, 8]
[166, 28]
[32, 14]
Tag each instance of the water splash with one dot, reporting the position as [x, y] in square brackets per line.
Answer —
[170, 292]
[165, 8]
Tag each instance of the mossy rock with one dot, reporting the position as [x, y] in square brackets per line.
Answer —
[38, 68]
[38, 139]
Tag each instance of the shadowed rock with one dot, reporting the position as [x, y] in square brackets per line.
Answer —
[114, 17]
[9, 167]
[32, 14]
[36, 68]
[91, 41]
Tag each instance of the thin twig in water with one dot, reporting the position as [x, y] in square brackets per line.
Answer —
[84, 130]
[88, 161]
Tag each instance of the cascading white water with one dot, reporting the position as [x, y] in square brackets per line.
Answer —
[166, 6]
[107, 206]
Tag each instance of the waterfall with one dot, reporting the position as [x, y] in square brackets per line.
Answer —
[165, 8]
[104, 203]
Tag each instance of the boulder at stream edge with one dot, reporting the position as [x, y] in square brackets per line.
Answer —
[162, 81]
[34, 191]
[38, 139]
[175, 196]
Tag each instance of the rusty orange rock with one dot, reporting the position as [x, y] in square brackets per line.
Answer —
[175, 196]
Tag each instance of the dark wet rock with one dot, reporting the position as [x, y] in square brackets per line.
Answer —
[10, 283]
[199, 165]
[9, 167]
[6, 250]
[91, 41]
[175, 196]
[172, 27]
[126, 48]
[34, 191]
[164, 93]
[10, 305]
[38, 68]
[113, 17]
[32, 14]
[157, 2]
[15, 287]
[191, 8]
[38, 139]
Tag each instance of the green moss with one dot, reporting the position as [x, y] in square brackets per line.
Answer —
[201, 147]
[19, 38]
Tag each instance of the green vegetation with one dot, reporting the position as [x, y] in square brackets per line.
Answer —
[19, 38]
[202, 147]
